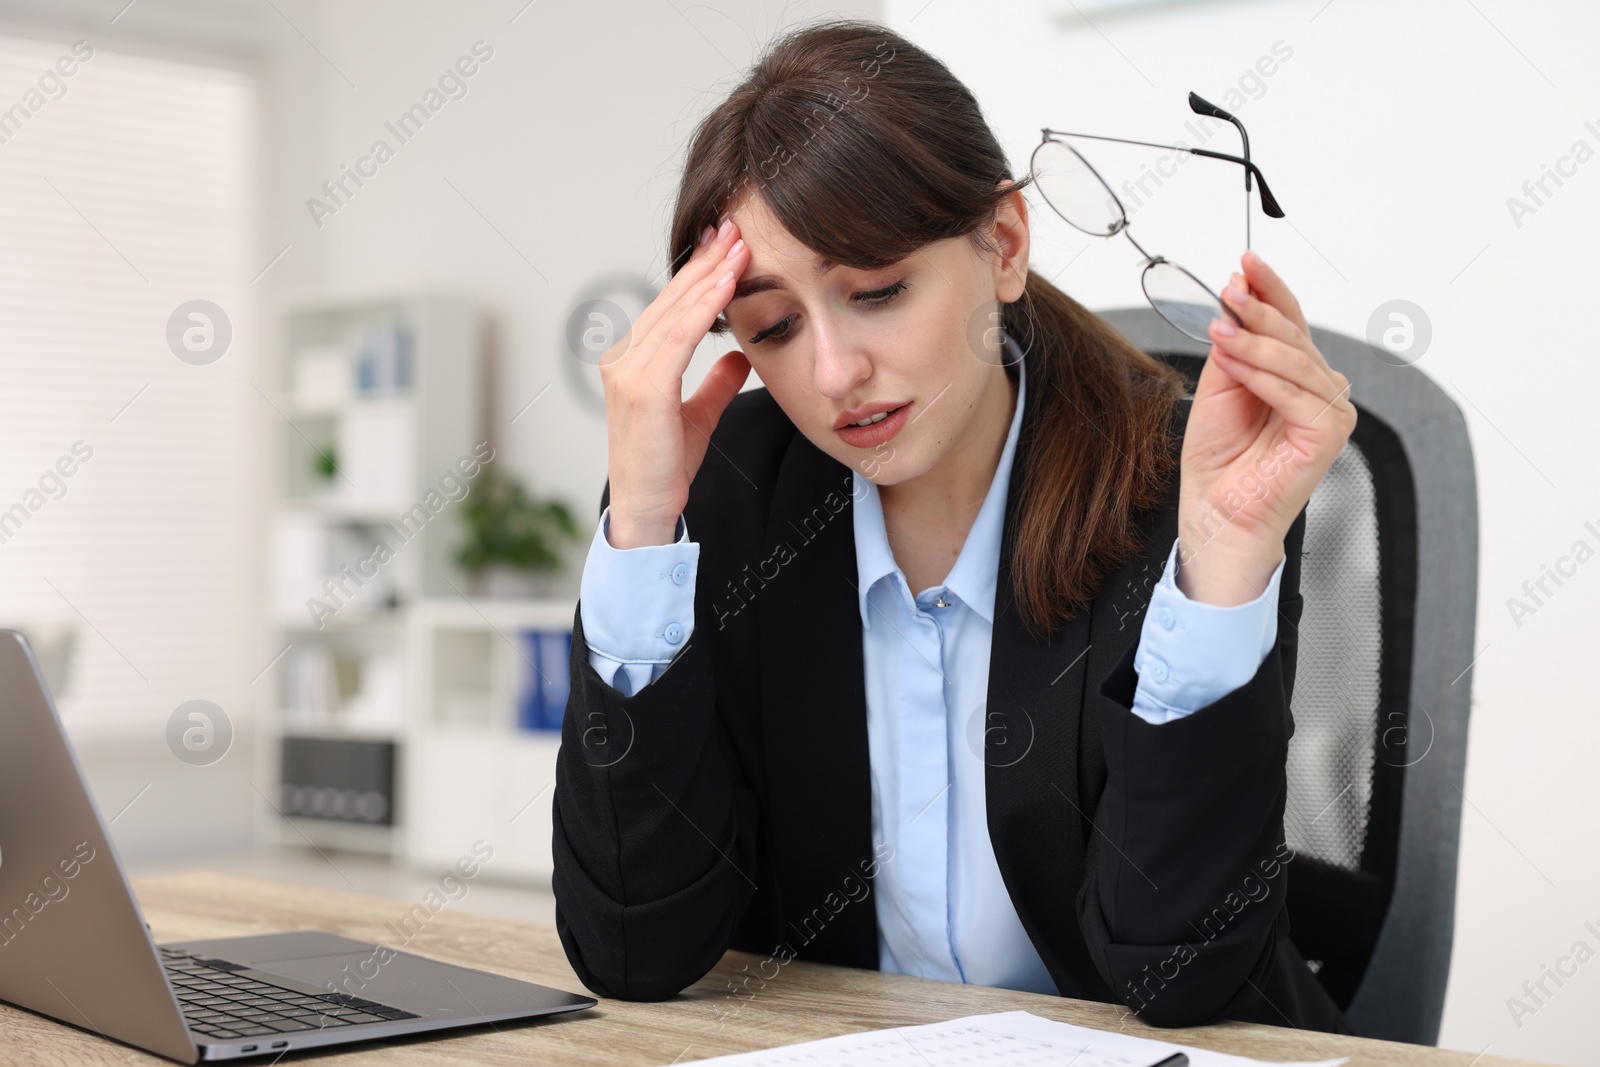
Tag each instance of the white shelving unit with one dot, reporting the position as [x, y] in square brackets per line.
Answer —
[381, 397]
[405, 662]
[471, 772]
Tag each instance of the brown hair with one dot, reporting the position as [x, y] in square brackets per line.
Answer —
[865, 148]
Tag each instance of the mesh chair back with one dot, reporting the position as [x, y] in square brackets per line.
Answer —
[1382, 689]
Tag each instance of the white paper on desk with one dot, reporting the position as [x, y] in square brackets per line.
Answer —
[1013, 1038]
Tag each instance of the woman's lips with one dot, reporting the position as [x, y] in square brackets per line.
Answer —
[878, 432]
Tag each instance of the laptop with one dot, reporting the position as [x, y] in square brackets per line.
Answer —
[74, 946]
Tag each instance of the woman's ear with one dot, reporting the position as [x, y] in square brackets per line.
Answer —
[1010, 236]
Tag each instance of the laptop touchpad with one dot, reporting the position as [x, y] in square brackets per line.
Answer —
[428, 988]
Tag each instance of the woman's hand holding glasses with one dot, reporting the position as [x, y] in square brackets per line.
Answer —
[1269, 418]
[1269, 415]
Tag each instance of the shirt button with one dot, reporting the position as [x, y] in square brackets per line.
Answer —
[1164, 616]
[680, 574]
[673, 633]
[1157, 669]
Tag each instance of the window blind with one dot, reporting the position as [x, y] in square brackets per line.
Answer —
[126, 190]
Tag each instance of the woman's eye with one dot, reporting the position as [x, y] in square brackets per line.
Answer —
[876, 298]
[881, 296]
[778, 330]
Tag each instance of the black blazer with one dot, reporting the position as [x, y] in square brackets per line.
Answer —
[728, 804]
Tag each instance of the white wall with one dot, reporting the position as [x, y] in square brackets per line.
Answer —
[1393, 136]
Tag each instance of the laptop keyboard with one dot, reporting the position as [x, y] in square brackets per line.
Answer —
[219, 1003]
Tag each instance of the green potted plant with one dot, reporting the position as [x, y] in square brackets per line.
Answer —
[324, 469]
[514, 541]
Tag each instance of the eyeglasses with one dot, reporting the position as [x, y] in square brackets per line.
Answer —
[1071, 186]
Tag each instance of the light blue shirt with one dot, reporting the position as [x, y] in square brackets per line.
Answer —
[942, 908]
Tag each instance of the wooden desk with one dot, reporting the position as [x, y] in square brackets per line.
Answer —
[804, 1001]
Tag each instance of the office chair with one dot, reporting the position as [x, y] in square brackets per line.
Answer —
[1382, 688]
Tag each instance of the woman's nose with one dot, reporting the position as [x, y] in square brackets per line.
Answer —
[840, 366]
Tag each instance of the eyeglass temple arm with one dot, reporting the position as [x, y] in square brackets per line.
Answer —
[1269, 203]
[1201, 106]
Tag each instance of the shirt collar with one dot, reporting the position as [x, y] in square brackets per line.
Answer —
[976, 570]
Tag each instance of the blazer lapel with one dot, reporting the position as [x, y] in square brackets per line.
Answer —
[813, 700]
[1033, 749]
[1045, 769]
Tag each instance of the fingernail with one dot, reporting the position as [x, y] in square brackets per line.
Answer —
[1234, 296]
[706, 235]
[1254, 258]
[1224, 327]
[738, 246]
[725, 229]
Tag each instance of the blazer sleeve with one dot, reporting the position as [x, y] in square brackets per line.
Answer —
[1182, 906]
[654, 827]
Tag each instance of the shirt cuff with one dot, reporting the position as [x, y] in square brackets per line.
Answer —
[1192, 654]
[637, 604]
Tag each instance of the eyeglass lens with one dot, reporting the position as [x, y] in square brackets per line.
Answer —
[1080, 196]
[1075, 190]
[1182, 300]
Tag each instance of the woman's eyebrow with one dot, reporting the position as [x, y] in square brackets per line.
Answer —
[752, 286]
[763, 282]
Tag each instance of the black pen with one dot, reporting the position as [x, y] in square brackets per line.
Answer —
[1177, 1059]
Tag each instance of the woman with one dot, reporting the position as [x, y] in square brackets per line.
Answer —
[913, 697]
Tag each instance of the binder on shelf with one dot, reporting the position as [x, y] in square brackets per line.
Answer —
[383, 364]
[546, 679]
